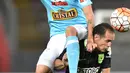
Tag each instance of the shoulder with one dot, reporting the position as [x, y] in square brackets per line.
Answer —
[108, 53]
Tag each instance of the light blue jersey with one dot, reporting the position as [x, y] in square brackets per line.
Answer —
[63, 13]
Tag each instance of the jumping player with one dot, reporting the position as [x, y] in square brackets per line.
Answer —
[73, 17]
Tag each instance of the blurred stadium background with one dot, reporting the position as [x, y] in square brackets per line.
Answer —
[26, 34]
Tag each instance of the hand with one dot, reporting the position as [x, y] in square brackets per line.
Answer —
[61, 64]
[90, 45]
[58, 64]
[65, 59]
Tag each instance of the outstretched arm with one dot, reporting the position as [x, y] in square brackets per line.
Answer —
[90, 22]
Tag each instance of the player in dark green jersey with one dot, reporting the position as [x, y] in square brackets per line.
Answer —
[99, 59]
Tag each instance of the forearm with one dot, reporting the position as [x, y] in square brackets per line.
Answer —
[90, 28]
[90, 20]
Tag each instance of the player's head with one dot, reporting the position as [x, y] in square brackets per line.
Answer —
[103, 36]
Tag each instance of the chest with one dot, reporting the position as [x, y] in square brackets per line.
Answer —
[91, 60]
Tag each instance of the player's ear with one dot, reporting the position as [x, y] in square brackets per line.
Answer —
[96, 36]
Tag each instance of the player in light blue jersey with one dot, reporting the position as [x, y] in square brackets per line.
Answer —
[69, 21]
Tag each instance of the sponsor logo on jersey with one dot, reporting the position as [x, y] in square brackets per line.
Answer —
[100, 58]
[64, 15]
[59, 2]
[88, 70]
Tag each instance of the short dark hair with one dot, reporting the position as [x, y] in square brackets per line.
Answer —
[102, 28]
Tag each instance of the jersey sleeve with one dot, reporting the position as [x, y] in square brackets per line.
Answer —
[107, 60]
[84, 3]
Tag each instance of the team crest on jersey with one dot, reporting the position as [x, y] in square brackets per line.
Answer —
[100, 58]
[64, 15]
[59, 2]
